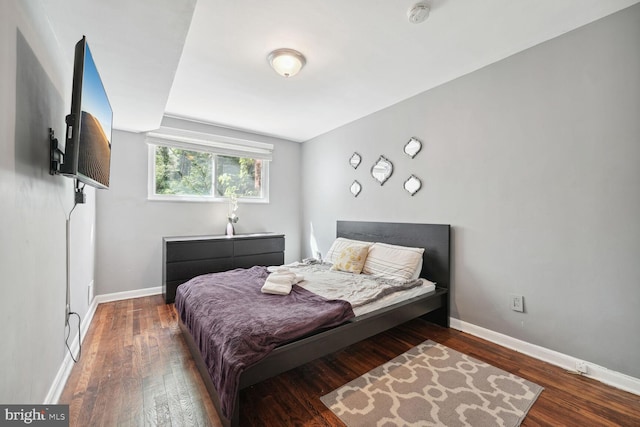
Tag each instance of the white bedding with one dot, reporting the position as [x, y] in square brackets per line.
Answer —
[422, 289]
[365, 293]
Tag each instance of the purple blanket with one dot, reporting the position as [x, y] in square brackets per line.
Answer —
[235, 325]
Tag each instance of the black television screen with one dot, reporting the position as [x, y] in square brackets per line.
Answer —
[87, 154]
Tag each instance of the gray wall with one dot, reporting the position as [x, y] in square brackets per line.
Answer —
[130, 227]
[35, 88]
[534, 161]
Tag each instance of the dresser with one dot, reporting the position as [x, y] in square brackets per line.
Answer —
[186, 257]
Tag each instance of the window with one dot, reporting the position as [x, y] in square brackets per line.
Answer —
[187, 172]
[183, 173]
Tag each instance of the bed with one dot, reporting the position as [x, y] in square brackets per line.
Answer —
[433, 306]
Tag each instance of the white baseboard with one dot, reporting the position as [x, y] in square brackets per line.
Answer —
[55, 391]
[60, 380]
[138, 293]
[597, 372]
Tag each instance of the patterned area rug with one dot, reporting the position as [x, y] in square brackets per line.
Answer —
[433, 385]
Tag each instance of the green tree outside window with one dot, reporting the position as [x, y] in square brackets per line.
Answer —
[191, 173]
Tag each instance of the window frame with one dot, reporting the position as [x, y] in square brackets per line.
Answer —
[206, 148]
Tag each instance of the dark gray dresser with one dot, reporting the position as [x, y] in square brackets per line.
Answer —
[186, 257]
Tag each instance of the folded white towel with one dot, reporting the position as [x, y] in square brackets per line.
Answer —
[280, 283]
[276, 288]
[282, 278]
[277, 268]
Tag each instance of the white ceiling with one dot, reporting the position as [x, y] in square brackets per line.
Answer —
[136, 45]
[209, 63]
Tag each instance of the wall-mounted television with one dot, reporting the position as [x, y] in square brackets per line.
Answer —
[87, 154]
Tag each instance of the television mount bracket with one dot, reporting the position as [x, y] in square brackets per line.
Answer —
[56, 155]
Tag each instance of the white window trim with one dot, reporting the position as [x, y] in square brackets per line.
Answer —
[207, 143]
[223, 145]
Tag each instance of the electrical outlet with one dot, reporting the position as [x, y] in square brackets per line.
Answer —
[582, 367]
[517, 303]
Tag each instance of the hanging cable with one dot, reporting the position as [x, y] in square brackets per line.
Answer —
[66, 341]
[77, 199]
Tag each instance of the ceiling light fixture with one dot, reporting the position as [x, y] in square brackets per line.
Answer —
[286, 62]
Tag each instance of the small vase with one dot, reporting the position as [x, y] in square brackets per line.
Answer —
[230, 230]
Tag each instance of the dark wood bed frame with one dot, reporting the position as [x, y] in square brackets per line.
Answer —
[435, 238]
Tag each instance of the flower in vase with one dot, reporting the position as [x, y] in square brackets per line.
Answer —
[233, 207]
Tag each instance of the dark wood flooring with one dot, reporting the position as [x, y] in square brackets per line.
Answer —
[136, 370]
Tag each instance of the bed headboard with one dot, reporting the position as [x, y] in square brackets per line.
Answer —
[434, 238]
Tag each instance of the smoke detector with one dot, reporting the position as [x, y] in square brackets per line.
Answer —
[418, 13]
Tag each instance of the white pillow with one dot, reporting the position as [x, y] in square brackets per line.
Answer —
[392, 262]
[416, 273]
[339, 245]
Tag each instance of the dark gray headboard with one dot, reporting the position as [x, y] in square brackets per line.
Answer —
[434, 238]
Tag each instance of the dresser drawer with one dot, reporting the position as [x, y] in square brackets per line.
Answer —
[275, 258]
[198, 249]
[189, 269]
[258, 246]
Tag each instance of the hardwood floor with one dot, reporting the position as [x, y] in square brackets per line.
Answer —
[136, 370]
